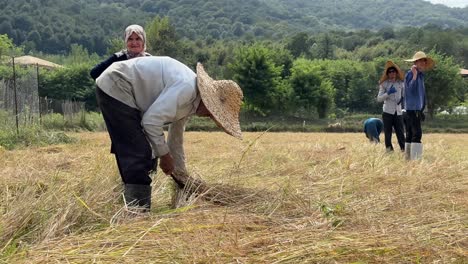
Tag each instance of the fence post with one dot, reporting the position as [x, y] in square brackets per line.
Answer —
[38, 97]
[16, 97]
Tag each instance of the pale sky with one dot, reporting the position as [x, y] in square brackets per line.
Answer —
[451, 3]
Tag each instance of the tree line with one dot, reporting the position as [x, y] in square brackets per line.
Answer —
[52, 26]
[307, 75]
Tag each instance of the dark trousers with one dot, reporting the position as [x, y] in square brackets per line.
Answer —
[391, 122]
[129, 144]
[413, 126]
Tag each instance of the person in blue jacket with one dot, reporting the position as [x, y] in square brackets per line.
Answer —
[372, 129]
[135, 41]
[415, 103]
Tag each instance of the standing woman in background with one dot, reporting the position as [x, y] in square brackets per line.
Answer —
[135, 41]
[391, 92]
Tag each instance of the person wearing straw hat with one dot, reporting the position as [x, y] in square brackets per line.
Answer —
[391, 91]
[415, 103]
[135, 42]
[139, 97]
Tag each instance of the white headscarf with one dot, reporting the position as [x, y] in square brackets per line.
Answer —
[137, 29]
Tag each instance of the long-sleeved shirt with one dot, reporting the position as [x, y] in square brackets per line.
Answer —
[392, 102]
[415, 92]
[373, 128]
[97, 70]
[164, 90]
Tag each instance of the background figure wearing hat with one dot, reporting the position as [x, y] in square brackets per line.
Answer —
[391, 91]
[139, 97]
[415, 102]
[372, 129]
[135, 42]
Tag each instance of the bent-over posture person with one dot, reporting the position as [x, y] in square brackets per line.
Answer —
[372, 129]
[139, 97]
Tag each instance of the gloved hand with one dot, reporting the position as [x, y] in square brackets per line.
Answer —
[392, 90]
[423, 116]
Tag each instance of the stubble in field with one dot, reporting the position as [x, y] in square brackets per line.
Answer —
[296, 198]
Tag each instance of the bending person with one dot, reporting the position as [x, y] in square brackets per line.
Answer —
[372, 129]
[139, 97]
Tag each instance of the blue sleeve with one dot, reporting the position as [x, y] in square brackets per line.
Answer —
[101, 67]
[410, 84]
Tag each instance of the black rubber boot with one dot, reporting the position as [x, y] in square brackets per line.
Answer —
[138, 196]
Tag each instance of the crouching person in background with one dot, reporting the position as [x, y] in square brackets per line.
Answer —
[372, 129]
[139, 97]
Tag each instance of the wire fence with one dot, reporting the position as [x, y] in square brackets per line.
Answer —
[22, 105]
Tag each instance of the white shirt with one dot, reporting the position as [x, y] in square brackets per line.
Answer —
[165, 92]
[392, 103]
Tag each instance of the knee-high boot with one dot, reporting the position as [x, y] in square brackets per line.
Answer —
[416, 151]
[138, 196]
[407, 151]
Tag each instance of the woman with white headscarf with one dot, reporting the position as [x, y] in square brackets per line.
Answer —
[135, 41]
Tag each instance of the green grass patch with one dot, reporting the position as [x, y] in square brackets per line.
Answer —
[350, 123]
[10, 138]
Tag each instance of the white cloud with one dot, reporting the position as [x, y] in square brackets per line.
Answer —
[450, 3]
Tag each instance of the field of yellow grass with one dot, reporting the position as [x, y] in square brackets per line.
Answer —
[296, 198]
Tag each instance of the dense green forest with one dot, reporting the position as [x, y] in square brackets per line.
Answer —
[51, 26]
[326, 69]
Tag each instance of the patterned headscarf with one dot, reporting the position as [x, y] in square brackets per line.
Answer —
[137, 29]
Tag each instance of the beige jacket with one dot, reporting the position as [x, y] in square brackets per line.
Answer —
[165, 92]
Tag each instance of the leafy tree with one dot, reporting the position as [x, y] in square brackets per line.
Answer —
[5, 44]
[443, 83]
[311, 92]
[115, 45]
[259, 77]
[162, 38]
[355, 83]
[78, 55]
[71, 83]
[299, 44]
[6, 28]
[237, 29]
[323, 48]
[8, 48]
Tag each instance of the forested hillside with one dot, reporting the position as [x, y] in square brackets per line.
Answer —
[51, 26]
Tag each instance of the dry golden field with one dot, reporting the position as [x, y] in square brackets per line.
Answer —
[296, 198]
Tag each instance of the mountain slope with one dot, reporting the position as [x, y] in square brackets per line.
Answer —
[52, 25]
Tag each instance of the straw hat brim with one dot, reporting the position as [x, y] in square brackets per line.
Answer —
[421, 55]
[223, 99]
[390, 64]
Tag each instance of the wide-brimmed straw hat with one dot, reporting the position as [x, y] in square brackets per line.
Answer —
[223, 98]
[390, 64]
[421, 55]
